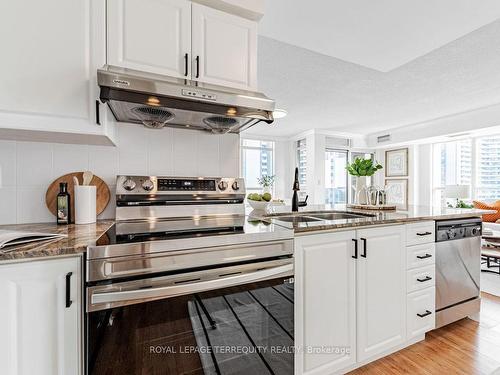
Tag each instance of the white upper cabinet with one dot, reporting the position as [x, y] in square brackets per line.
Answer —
[150, 35]
[224, 48]
[325, 308]
[51, 50]
[183, 39]
[381, 302]
[41, 318]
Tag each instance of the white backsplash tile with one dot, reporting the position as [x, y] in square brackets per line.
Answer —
[207, 155]
[103, 162]
[34, 164]
[27, 168]
[69, 158]
[8, 163]
[161, 152]
[184, 153]
[8, 209]
[132, 149]
[31, 206]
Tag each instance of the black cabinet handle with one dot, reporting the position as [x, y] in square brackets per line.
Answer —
[364, 248]
[97, 114]
[424, 256]
[355, 256]
[197, 66]
[424, 233]
[427, 278]
[427, 312]
[186, 57]
[68, 289]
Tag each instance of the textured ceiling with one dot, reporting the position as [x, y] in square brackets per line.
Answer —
[319, 91]
[382, 34]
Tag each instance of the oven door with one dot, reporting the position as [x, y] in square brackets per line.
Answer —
[229, 320]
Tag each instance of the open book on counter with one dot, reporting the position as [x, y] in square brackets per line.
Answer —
[10, 238]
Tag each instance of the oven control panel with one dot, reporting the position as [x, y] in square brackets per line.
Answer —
[159, 185]
[174, 184]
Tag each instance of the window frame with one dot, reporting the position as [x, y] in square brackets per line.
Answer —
[272, 150]
[475, 183]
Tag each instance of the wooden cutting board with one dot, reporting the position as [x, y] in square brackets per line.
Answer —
[102, 199]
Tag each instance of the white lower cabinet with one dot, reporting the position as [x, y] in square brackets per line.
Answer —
[352, 304]
[420, 312]
[325, 285]
[381, 286]
[40, 317]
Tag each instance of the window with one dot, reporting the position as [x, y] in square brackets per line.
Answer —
[257, 160]
[302, 165]
[336, 176]
[488, 168]
[452, 166]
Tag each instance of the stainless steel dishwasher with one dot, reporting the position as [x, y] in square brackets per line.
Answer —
[458, 269]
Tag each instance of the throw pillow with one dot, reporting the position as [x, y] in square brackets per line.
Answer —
[490, 218]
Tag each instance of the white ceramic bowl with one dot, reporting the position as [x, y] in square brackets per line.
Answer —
[258, 205]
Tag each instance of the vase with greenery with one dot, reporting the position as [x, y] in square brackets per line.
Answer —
[361, 169]
[266, 182]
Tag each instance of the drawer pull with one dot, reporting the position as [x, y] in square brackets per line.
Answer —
[424, 256]
[424, 233]
[427, 312]
[427, 278]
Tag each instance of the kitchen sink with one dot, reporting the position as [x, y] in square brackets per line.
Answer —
[296, 219]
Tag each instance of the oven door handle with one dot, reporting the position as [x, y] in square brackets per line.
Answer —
[120, 298]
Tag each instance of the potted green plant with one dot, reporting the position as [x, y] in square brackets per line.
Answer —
[362, 168]
[266, 182]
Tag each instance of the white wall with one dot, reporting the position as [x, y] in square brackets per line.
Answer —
[27, 168]
[419, 172]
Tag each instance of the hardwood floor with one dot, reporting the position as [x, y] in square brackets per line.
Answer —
[465, 347]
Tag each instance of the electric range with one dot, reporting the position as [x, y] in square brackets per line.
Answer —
[181, 282]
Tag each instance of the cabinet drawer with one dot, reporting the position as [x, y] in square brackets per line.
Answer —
[420, 278]
[421, 312]
[420, 233]
[420, 255]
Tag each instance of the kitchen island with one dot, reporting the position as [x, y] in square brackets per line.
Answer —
[364, 286]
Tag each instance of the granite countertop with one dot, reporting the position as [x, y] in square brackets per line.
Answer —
[413, 214]
[79, 237]
[76, 242]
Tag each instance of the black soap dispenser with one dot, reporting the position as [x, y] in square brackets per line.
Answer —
[63, 205]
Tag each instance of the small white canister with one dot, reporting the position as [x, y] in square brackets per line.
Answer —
[85, 204]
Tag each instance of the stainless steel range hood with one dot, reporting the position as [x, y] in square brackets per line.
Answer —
[157, 101]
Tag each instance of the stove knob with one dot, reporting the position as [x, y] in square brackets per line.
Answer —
[148, 185]
[235, 185]
[451, 234]
[476, 231]
[129, 184]
[222, 185]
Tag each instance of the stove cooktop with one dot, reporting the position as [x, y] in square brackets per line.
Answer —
[159, 230]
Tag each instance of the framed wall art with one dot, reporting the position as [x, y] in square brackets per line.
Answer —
[397, 193]
[396, 163]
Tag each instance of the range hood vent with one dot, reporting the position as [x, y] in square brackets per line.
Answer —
[157, 101]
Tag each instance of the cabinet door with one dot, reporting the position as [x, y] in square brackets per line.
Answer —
[381, 287]
[40, 335]
[49, 64]
[150, 35]
[224, 48]
[325, 294]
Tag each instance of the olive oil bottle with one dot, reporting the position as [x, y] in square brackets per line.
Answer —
[63, 205]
